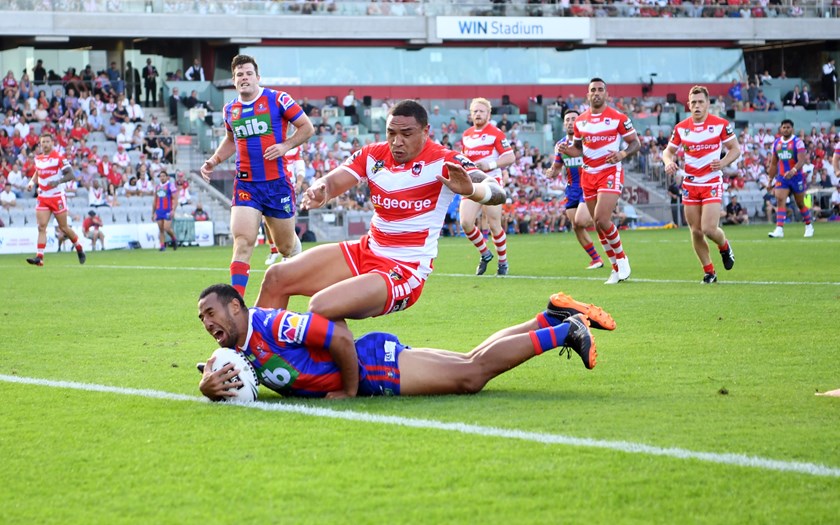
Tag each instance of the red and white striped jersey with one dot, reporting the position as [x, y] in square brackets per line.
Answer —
[49, 169]
[488, 142]
[702, 143]
[601, 135]
[409, 202]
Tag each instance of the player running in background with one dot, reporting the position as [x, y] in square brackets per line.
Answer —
[703, 137]
[599, 132]
[256, 124]
[578, 215]
[51, 171]
[163, 209]
[412, 181]
[487, 146]
[306, 355]
[297, 168]
[787, 156]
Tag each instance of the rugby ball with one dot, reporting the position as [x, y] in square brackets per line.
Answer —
[247, 375]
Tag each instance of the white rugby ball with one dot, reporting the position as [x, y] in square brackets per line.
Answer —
[247, 375]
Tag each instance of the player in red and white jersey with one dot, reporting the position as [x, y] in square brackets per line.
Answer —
[52, 170]
[598, 134]
[412, 181]
[703, 137]
[488, 147]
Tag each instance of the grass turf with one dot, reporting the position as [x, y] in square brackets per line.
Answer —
[726, 368]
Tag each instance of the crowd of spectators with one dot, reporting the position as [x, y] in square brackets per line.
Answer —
[113, 147]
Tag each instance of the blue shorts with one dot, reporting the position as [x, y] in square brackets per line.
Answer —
[574, 196]
[379, 373]
[795, 184]
[163, 215]
[274, 198]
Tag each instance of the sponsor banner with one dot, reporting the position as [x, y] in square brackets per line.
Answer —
[117, 236]
[512, 28]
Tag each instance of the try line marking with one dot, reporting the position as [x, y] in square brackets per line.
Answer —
[472, 276]
[738, 460]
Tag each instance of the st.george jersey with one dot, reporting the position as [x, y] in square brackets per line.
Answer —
[787, 153]
[487, 143]
[289, 352]
[702, 144]
[601, 135]
[49, 169]
[409, 202]
[256, 126]
[573, 164]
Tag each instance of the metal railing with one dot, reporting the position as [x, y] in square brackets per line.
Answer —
[788, 8]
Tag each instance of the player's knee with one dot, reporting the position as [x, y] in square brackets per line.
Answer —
[321, 304]
[275, 280]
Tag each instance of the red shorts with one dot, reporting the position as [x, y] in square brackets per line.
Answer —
[612, 181]
[54, 203]
[701, 195]
[404, 287]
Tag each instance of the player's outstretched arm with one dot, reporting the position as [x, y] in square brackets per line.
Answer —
[475, 185]
[333, 184]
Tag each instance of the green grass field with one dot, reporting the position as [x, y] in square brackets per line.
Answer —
[695, 381]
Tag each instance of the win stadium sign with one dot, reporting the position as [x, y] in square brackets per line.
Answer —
[512, 28]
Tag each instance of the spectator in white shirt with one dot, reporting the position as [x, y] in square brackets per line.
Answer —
[8, 199]
[97, 196]
[124, 139]
[121, 158]
[195, 71]
[135, 111]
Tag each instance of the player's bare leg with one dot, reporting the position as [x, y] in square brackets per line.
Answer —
[428, 371]
[61, 219]
[312, 271]
[358, 297]
[469, 211]
[581, 220]
[283, 234]
[244, 225]
[781, 212]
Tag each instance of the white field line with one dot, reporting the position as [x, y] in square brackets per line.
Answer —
[738, 460]
[525, 277]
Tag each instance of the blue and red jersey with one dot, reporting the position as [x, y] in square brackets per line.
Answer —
[163, 197]
[290, 352]
[573, 164]
[256, 126]
[787, 153]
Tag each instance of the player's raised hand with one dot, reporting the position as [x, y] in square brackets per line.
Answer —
[456, 179]
[314, 197]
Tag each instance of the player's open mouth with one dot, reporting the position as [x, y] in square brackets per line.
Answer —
[218, 335]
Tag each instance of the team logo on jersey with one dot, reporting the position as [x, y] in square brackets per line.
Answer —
[235, 112]
[713, 193]
[292, 327]
[262, 107]
[610, 182]
[242, 195]
[711, 129]
[285, 100]
[607, 121]
[686, 132]
[730, 129]
[395, 274]
[378, 166]
[417, 169]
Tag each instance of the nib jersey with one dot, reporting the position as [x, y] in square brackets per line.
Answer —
[574, 195]
[787, 153]
[256, 126]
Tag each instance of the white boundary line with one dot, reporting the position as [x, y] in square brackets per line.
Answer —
[738, 460]
[472, 276]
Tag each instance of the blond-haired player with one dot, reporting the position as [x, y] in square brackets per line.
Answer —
[488, 147]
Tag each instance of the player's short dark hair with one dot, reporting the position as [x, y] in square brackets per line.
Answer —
[787, 121]
[241, 60]
[598, 79]
[225, 292]
[410, 108]
[570, 110]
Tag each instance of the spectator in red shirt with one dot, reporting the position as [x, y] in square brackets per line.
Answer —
[91, 226]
